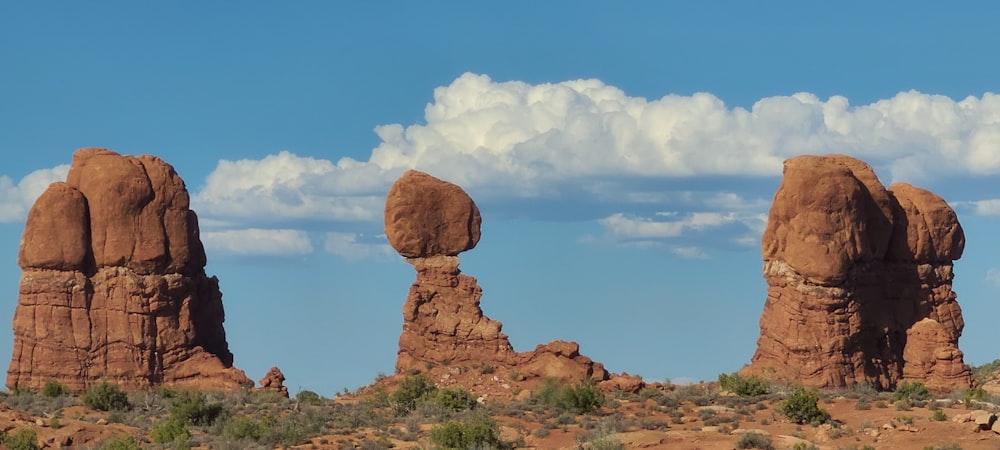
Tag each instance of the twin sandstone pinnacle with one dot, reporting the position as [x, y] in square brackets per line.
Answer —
[114, 289]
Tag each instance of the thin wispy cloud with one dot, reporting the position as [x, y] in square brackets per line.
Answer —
[353, 247]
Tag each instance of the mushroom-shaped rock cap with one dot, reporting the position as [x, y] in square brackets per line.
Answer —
[425, 216]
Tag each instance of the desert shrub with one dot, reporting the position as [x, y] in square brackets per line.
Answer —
[453, 400]
[582, 399]
[754, 440]
[915, 391]
[474, 432]
[242, 427]
[193, 408]
[802, 407]
[54, 389]
[862, 404]
[22, 439]
[943, 447]
[973, 395]
[605, 442]
[751, 386]
[939, 416]
[404, 398]
[308, 397]
[170, 430]
[105, 397]
[811, 446]
[120, 443]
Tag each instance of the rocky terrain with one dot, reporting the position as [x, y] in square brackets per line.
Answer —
[113, 285]
[859, 281]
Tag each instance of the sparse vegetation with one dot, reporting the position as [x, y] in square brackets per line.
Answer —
[583, 398]
[751, 386]
[21, 439]
[802, 407]
[106, 397]
[754, 440]
[914, 392]
[53, 389]
[477, 431]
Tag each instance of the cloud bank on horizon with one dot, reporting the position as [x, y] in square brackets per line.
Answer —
[514, 141]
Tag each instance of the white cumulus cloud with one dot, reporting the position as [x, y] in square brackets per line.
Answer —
[512, 139]
[257, 242]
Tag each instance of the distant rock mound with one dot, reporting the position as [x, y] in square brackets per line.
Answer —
[430, 221]
[859, 281]
[113, 285]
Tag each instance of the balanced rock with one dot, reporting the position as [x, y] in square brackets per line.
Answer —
[859, 281]
[430, 221]
[113, 285]
[425, 217]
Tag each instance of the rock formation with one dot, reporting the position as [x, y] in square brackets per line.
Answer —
[430, 221]
[274, 381]
[113, 285]
[859, 281]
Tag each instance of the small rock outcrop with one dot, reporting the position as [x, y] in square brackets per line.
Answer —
[859, 281]
[274, 381]
[430, 221]
[113, 285]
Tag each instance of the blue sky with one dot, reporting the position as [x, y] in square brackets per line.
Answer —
[623, 157]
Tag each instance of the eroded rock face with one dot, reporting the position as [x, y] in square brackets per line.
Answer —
[859, 281]
[430, 221]
[113, 285]
[274, 381]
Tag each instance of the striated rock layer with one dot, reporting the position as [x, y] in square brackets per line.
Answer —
[859, 281]
[430, 221]
[113, 285]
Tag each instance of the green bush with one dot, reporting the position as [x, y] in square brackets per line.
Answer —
[802, 407]
[412, 388]
[120, 443]
[911, 391]
[308, 397]
[106, 397]
[192, 407]
[454, 400]
[171, 430]
[243, 427]
[744, 387]
[22, 439]
[474, 432]
[939, 416]
[583, 398]
[754, 440]
[54, 389]
[973, 394]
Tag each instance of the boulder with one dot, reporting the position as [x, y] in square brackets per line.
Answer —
[113, 286]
